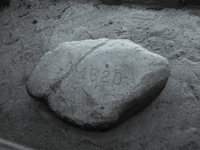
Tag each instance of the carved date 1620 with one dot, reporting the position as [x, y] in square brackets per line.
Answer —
[105, 76]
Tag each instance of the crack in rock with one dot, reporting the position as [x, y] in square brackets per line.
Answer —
[72, 69]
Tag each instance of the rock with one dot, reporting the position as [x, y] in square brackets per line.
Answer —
[98, 84]
[176, 54]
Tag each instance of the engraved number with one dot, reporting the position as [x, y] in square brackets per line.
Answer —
[117, 78]
[106, 74]
[93, 74]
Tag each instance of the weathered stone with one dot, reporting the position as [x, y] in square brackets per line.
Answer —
[98, 84]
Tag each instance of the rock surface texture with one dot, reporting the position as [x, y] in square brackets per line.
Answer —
[98, 84]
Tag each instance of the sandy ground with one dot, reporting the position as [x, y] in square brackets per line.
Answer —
[30, 28]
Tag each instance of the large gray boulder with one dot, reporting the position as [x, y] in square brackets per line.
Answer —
[98, 84]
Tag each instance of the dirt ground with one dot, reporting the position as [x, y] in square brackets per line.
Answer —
[30, 28]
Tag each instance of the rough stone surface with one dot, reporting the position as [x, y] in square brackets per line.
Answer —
[97, 84]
